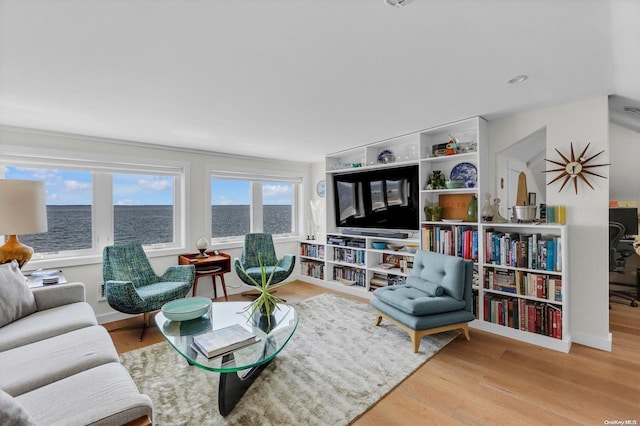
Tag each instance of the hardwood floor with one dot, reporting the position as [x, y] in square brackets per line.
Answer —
[494, 380]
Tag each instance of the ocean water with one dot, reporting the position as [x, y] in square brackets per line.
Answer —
[70, 226]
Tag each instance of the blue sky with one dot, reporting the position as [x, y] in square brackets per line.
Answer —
[72, 187]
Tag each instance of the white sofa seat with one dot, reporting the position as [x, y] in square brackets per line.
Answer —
[38, 364]
[104, 395]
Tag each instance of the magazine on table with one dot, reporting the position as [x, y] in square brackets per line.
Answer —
[224, 340]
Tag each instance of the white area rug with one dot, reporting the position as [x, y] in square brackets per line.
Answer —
[336, 366]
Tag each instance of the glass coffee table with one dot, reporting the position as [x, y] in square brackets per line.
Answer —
[238, 369]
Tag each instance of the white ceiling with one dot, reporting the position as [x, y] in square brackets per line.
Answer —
[297, 79]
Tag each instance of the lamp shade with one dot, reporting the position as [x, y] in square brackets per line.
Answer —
[23, 207]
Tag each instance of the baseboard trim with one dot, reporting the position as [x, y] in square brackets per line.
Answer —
[604, 344]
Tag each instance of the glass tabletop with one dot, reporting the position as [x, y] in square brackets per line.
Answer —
[222, 314]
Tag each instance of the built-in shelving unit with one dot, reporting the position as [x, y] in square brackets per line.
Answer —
[352, 264]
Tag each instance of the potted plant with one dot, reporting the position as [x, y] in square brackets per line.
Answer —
[266, 303]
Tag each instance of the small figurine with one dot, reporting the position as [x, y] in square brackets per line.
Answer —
[452, 146]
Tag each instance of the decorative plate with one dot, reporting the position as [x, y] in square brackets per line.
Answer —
[321, 188]
[186, 309]
[466, 172]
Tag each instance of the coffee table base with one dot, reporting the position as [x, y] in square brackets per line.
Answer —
[232, 386]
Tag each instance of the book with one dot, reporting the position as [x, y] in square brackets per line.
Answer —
[224, 340]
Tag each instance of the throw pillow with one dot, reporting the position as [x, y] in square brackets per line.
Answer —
[12, 412]
[16, 299]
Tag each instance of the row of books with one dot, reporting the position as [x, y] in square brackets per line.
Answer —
[349, 255]
[312, 250]
[381, 280]
[312, 269]
[525, 315]
[532, 251]
[454, 240]
[350, 274]
[542, 286]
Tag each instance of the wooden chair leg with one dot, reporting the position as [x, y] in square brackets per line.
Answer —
[224, 286]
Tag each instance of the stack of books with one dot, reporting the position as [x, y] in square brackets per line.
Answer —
[224, 340]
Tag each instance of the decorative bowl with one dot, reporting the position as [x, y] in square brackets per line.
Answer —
[394, 247]
[454, 184]
[412, 248]
[380, 245]
[186, 309]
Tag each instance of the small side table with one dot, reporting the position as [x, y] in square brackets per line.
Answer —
[215, 265]
[39, 280]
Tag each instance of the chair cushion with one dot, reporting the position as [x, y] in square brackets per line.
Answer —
[413, 301]
[157, 294]
[422, 322]
[432, 289]
[16, 299]
[447, 271]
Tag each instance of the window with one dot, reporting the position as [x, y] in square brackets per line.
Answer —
[240, 205]
[92, 204]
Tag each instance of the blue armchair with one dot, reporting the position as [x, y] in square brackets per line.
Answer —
[259, 248]
[436, 298]
[131, 285]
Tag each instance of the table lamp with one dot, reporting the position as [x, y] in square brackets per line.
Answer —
[23, 210]
[202, 245]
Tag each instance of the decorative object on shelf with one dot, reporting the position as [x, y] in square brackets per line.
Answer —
[433, 213]
[439, 150]
[202, 245]
[466, 172]
[487, 209]
[23, 210]
[321, 188]
[575, 167]
[524, 214]
[412, 248]
[395, 247]
[452, 146]
[436, 180]
[379, 245]
[454, 184]
[497, 217]
[472, 209]
[386, 157]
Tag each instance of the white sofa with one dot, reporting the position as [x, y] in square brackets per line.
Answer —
[58, 367]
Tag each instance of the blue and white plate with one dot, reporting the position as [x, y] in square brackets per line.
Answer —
[466, 172]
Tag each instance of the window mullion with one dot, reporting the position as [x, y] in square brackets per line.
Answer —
[102, 210]
[256, 207]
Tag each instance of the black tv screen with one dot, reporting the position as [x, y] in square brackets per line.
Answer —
[385, 198]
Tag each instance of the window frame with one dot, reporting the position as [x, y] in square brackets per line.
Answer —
[256, 206]
[102, 214]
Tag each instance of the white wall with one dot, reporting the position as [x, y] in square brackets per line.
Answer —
[625, 173]
[198, 165]
[587, 212]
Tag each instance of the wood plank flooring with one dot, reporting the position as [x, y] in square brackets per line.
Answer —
[492, 380]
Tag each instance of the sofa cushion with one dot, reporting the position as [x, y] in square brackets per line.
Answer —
[31, 366]
[12, 412]
[413, 301]
[16, 300]
[104, 395]
[45, 324]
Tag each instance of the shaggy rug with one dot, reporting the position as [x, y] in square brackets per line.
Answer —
[336, 366]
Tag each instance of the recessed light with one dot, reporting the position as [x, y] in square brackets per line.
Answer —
[517, 79]
[632, 109]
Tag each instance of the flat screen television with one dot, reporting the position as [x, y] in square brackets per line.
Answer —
[627, 216]
[384, 199]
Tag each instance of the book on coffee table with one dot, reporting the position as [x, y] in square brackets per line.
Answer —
[224, 340]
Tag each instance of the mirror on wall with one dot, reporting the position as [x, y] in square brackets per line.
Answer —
[624, 150]
[526, 155]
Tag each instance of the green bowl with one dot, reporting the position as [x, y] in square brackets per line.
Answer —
[186, 309]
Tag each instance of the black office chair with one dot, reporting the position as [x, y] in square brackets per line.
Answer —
[618, 260]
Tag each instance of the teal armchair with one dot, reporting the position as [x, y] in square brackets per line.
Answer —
[259, 248]
[436, 298]
[131, 285]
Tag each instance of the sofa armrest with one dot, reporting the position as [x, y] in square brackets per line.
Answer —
[48, 297]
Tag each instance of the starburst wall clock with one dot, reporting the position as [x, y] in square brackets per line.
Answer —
[575, 168]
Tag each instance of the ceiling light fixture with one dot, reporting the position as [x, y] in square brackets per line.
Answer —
[632, 109]
[517, 79]
[397, 3]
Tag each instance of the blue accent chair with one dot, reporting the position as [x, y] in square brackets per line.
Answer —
[436, 298]
[131, 285]
[258, 247]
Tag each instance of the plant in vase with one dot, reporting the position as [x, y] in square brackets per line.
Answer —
[266, 303]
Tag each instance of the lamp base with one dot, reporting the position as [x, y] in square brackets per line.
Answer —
[202, 254]
[13, 249]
